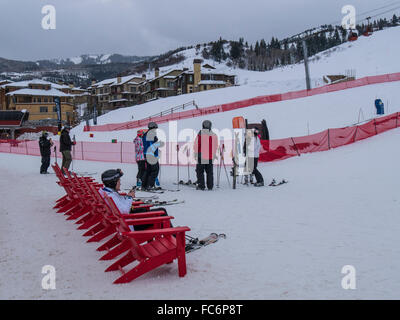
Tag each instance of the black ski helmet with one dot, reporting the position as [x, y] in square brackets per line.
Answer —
[207, 124]
[111, 177]
[152, 125]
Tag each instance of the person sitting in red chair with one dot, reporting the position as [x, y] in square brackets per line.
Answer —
[112, 186]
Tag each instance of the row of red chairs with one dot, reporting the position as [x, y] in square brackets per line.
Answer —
[99, 216]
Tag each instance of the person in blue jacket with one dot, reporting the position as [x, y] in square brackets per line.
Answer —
[150, 148]
[379, 106]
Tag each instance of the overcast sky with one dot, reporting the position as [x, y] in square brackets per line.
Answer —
[150, 27]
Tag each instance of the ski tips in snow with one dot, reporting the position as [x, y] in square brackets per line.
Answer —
[275, 184]
[195, 244]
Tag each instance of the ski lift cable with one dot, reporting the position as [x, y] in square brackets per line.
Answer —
[370, 11]
[298, 36]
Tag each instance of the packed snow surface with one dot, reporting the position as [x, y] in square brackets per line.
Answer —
[339, 208]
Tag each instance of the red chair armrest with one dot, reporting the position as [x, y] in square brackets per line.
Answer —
[155, 232]
[140, 221]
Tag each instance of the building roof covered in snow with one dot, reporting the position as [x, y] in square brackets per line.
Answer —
[39, 92]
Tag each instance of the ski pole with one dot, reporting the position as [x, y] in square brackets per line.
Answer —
[55, 153]
[177, 159]
[187, 156]
[219, 166]
[223, 162]
[73, 152]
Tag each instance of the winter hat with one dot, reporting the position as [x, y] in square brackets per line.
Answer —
[152, 125]
[45, 133]
[140, 132]
[111, 177]
[207, 124]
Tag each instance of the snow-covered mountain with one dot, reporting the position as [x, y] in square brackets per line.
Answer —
[88, 59]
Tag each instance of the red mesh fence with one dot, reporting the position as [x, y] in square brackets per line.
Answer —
[272, 150]
[248, 102]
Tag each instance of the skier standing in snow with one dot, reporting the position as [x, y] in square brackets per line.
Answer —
[45, 145]
[205, 150]
[112, 186]
[251, 149]
[139, 157]
[150, 147]
[65, 148]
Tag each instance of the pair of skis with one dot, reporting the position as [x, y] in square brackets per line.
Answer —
[196, 243]
[164, 203]
[188, 183]
[155, 190]
[275, 184]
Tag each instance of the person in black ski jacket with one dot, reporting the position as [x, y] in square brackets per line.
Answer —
[65, 148]
[45, 145]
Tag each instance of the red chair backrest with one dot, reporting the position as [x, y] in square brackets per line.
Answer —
[123, 227]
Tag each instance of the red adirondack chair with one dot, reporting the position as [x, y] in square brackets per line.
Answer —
[118, 244]
[151, 248]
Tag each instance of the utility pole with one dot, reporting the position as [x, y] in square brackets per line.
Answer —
[305, 53]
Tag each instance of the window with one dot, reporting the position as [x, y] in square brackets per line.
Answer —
[44, 109]
[46, 100]
[191, 78]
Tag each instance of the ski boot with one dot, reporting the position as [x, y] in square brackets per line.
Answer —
[157, 185]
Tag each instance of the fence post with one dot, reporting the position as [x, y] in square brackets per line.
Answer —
[329, 140]
[82, 148]
[355, 134]
[26, 147]
[298, 153]
[376, 131]
[121, 151]
[397, 118]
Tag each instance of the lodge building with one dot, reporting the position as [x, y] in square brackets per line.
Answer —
[131, 90]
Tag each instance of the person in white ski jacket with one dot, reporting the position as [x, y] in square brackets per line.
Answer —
[112, 185]
[252, 147]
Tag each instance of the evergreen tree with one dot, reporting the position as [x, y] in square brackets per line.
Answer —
[236, 50]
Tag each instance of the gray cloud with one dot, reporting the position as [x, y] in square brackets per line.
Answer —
[139, 27]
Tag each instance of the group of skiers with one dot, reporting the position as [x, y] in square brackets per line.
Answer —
[205, 152]
[147, 155]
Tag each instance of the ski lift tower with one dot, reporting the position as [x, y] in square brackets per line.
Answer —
[307, 68]
[302, 37]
